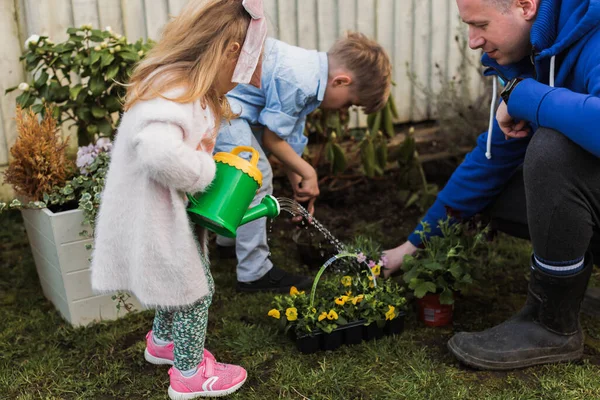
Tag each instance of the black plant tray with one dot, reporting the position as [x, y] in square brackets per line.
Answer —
[352, 333]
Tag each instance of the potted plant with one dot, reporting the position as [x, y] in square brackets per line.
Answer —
[78, 82]
[59, 203]
[442, 267]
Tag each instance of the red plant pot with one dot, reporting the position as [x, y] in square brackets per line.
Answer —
[432, 313]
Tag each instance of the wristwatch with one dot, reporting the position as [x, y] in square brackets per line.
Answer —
[510, 86]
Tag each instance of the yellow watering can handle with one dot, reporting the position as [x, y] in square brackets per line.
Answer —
[241, 149]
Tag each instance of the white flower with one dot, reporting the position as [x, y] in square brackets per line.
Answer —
[87, 26]
[97, 48]
[141, 52]
[23, 86]
[108, 29]
[33, 39]
[48, 41]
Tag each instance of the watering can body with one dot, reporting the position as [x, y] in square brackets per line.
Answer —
[223, 207]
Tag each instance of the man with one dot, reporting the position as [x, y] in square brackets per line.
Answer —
[543, 147]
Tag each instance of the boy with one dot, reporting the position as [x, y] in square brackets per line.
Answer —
[294, 82]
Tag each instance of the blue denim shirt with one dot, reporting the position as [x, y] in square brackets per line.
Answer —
[293, 85]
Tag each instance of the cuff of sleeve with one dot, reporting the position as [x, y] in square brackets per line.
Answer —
[436, 213]
[525, 100]
[279, 122]
[208, 169]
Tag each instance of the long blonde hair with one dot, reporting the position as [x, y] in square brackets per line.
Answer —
[190, 54]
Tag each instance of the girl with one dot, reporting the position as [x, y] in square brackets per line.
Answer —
[144, 241]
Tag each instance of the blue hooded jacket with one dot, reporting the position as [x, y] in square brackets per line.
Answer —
[566, 34]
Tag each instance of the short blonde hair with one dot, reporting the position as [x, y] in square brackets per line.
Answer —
[190, 54]
[370, 65]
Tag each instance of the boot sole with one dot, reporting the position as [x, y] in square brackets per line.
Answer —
[507, 365]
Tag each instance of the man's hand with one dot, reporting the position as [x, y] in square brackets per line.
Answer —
[395, 257]
[509, 126]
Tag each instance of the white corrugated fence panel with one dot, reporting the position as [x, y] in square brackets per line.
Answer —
[416, 33]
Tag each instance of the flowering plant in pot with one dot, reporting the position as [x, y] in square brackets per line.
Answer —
[341, 312]
[59, 203]
[442, 267]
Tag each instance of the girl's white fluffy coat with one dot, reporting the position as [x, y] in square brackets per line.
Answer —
[144, 242]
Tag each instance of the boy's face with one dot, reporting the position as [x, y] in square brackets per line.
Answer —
[502, 33]
[339, 94]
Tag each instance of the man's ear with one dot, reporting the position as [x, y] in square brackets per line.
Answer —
[342, 80]
[529, 8]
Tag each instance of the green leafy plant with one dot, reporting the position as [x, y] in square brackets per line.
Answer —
[445, 262]
[369, 146]
[415, 189]
[82, 78]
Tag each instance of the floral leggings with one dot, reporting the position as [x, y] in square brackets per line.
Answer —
[186, 327]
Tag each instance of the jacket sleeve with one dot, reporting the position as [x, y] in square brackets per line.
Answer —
[163, 155]
[575, 115]
[282, 114]
[477, 181]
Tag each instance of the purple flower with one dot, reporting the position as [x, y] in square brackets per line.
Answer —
[87, 154]
[384, 260]
[371, 263]
[361, 258]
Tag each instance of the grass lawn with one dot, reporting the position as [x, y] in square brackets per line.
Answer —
[41, 357]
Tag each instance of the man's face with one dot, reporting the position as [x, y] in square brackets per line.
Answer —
[502, 33]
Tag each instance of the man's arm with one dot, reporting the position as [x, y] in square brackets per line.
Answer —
[575, 115]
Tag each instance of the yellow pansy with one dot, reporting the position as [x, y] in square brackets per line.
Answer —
[332, 315]
[340, 301]
[349, 293]
[358, 299]
[291, 314]
[391, 314]
[322, 316]
[274, 313]
[376, 269]
[294, 291]
[346, 280]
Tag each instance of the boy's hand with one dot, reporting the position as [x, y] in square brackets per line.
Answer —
[305, 190]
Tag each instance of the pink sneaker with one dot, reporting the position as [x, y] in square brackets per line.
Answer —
[163, 355]
[213, 379]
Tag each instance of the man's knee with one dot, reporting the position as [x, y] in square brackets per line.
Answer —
[549, 155]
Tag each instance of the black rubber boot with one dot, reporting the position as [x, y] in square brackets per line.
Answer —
[546, 330]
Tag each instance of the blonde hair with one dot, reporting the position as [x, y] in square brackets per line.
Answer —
[190, 54]
[370, 65]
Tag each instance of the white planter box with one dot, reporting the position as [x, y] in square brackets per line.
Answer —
[62, 262]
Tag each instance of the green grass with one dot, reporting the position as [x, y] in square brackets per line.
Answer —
[42, 357]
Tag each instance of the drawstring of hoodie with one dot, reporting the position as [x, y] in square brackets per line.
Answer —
[488, 150]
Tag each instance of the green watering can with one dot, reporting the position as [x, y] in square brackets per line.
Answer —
[223, 207]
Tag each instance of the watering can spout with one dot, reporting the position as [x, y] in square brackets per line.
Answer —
[268, 207]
